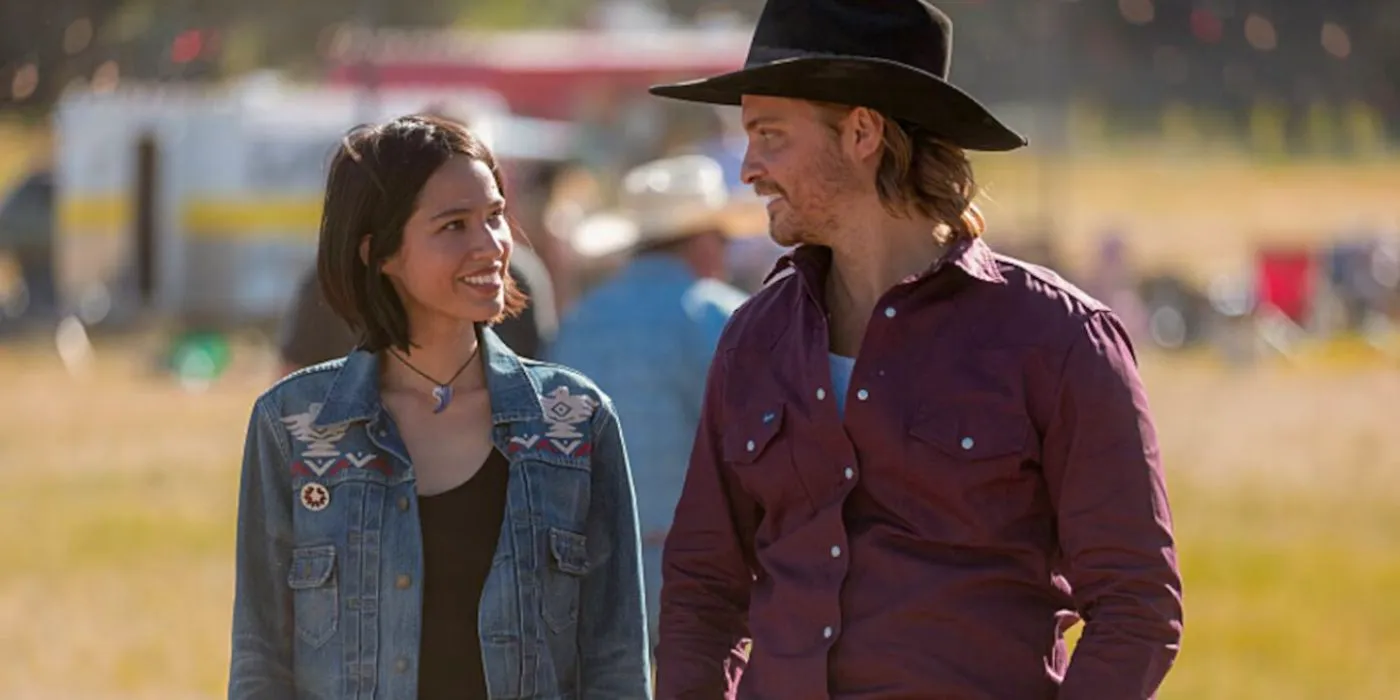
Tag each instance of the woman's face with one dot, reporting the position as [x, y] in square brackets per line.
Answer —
[452, 263]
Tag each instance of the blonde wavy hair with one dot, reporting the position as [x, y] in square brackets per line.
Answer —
[922, 175]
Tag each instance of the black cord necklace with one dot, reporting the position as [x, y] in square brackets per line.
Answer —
[442, 391]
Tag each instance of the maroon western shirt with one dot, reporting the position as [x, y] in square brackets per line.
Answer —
[996, 468]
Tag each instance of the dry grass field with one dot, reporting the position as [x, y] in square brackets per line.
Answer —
[1198, 215]
[118, 509]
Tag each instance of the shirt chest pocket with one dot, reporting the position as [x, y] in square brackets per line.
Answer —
[974, 472]
[758, 451]
[972, 432]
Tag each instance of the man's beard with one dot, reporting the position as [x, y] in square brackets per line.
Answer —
[830, 180]
[785, 231]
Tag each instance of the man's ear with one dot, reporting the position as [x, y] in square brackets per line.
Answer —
[865, 132]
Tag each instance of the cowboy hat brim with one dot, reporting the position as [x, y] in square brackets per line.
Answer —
[893, 88]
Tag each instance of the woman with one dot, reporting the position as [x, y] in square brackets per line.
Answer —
[432, 516]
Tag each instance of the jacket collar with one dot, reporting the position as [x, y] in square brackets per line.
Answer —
[354, 393]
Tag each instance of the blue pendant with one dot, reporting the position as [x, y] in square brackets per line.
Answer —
[443, 394]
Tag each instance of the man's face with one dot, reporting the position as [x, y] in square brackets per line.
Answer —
[794, 159]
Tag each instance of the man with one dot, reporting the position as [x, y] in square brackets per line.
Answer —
[917, 460]
[647, 334]
[311, 333]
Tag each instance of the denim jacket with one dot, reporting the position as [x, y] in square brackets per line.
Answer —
[329, 552]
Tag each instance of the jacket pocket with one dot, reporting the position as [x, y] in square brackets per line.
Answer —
[315, 593]
[568, 564]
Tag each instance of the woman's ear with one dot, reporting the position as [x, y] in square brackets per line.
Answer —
[364, 251]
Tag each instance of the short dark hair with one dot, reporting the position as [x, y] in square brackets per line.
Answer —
[372, 189]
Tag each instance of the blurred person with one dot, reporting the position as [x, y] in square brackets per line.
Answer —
[917, 459]
[573, 192]
[646, 334]
[1113, 281]
[27, 225]
[544, 184]
[311, 332]
[433, 516]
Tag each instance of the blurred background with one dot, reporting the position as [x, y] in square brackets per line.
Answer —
[1225, 173]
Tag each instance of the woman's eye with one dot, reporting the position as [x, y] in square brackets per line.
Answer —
[454, 225]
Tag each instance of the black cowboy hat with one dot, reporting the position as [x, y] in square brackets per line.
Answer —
[889, 55]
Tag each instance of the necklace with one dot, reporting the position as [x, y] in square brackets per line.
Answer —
[442, 391]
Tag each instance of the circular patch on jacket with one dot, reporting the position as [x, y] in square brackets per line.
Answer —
[315, 497]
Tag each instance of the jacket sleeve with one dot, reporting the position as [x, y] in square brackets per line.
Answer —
[1104, 472]
[707, 568]
[261, 663]
[616, 656]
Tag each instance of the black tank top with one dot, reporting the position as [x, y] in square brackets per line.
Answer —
[460, 529]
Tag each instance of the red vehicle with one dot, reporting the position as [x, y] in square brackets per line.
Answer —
[541, 73]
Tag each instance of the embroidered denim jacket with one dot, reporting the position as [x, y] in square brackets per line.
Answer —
[329, 555]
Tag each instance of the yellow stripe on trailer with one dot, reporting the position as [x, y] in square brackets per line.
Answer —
[243, 218]
[99, 215]
[260, 218]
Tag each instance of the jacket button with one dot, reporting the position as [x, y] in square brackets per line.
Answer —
[401, 665]
[403, 503]
[403, 581]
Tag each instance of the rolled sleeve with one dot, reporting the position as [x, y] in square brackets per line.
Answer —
[1104, 472]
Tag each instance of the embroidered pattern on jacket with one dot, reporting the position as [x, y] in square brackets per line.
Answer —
[319, 441]
[563, 413]
[320, 456]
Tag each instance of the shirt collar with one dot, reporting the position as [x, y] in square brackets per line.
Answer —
[970, 255]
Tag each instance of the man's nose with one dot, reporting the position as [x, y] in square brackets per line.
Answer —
[750, 171]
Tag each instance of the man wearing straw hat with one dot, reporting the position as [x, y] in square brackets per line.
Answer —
[918, 461]
[647, 334]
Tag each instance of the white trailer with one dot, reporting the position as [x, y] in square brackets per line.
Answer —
[203, 204]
